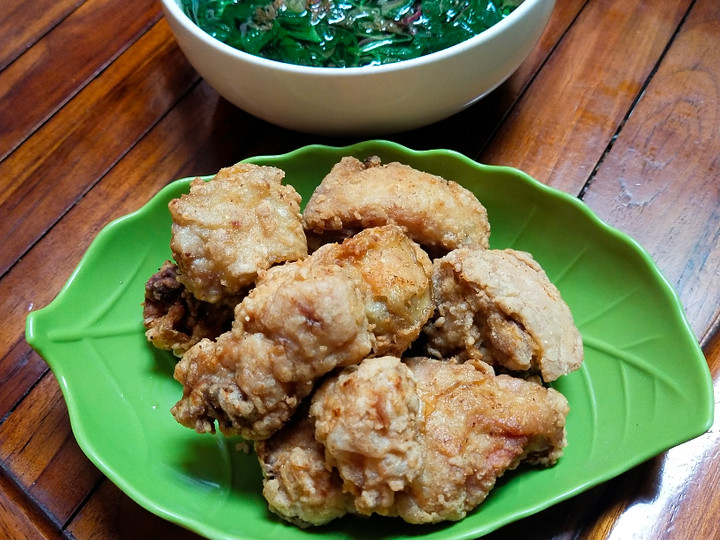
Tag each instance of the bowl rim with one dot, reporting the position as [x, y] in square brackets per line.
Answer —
[172, 9]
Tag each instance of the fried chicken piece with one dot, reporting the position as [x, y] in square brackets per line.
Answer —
[224, 231]
[476, 426]
[368, 419]
[174, 319]
[301, 321]
[297, 324]
[395, 281]
[438, 214]
[297, 484]
[424, 440]
[500, 306]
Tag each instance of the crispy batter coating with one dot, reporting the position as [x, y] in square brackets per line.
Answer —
[500, 306]
[395, 283]
[174, 319]
[225, 230]
[311, 368]
[476, 426]
[297, 484]
[438, 214]
[424, 440]
[302, 320]
[368, 418]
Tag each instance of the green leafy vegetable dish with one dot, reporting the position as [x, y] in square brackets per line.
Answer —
[644, 386]
[351, 33]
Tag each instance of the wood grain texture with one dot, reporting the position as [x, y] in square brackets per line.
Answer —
[22, 26]
[38, 450]
[39, 181]
[619, 104]
[64, 60]
[560, 129]
[20, 517]
[470, 131]
[673, 133]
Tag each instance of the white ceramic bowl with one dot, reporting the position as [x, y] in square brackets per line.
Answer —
[369, 100]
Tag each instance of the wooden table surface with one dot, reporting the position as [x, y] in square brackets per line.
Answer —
[619, 104]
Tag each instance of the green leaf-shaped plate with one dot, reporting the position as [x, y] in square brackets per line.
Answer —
[644, 386]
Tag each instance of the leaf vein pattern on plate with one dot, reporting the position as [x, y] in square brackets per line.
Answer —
[132, 421]
[608, 308]
[630, 359]
[592, 401]
[522, 228]
[560, 274]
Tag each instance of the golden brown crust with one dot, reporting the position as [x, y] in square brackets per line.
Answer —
[395, 281]
[224, 231]
[367, 417]
[476, 426]
[299, 323]
[302, 320]
[438, 214]
[174, 319]
[297, 484]
[500, 306]
[424, 440]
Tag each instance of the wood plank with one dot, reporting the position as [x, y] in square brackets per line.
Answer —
[165, 154]
[21, 26]
[36, 444]
[80, 143]
[667, 155]
[20, 368]
[561, 128]
[471, 130]
[19, 517]
[38, 449]
[112, 515]
[663, 168]
[63, 61]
